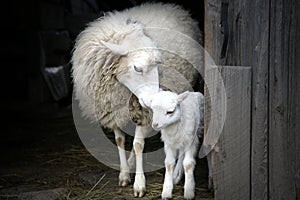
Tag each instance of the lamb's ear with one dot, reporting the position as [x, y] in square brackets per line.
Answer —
[146, 101]
[115, 48]
[182, 96]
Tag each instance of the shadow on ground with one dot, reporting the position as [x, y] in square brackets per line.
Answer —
[42, 157]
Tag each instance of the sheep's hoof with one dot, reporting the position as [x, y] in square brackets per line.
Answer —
[140, 193]
[124, 183]
[139, 186]
[124, 179]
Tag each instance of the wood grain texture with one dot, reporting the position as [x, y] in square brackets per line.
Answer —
[231, 158]
[294, 123]
[265, 34]
[284, 101]
[254, 52]
[248, 46]
[212, 30]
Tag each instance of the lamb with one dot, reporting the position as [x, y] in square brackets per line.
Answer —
[180, 120]
[123, 56]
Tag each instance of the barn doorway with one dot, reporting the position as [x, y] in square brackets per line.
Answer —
[41, 153]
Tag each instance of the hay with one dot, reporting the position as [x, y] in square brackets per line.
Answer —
[74, 156]
[96, 184]
[106, 185]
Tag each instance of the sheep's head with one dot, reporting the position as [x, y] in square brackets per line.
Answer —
[140, 56]
[166, 108]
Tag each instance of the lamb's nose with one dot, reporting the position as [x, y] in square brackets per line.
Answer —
[155, 125]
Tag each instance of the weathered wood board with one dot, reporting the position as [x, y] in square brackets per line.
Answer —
[231, 157]
[284, 100]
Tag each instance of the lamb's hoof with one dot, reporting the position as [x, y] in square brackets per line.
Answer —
[124, 179]
[188, 195]
[167, 192]
[139, 186]
[164, 197]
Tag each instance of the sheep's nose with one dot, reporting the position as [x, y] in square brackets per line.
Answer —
[155, 125]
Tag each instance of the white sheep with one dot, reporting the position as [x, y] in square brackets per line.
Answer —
[180, 120]
[118, 55]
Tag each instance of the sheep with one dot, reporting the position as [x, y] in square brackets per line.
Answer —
[180, 120]
[124, 56]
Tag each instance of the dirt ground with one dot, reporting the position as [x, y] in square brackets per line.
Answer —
[41, 151]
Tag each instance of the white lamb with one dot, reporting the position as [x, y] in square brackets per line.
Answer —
[180, 120]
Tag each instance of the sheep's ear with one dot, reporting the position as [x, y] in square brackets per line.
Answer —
[182, 96]
[115, 48]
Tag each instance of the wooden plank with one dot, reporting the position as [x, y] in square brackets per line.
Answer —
[231, 158]
[254, 52]
[212, 35]
[284, 101]
[295, 99]
[248, 46]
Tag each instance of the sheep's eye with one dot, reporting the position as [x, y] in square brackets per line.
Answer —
[170, 112]
[138, 69]
[158, 62]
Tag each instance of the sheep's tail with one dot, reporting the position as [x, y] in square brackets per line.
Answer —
[178, 171]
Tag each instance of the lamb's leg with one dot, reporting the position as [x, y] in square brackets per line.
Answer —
[124, 177]
[178, 171]
[189, 163]
[169, 164]
[139, 186]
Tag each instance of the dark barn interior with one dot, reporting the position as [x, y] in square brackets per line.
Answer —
[42, 156]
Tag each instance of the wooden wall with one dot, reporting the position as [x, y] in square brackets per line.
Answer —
[265, 34]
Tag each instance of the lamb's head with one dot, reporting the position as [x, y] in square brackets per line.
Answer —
[166, 108]
[140, 58]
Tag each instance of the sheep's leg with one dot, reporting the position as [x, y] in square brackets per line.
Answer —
[169, 164]
[178, 171]
[124, 177]
[189, 163]
[139, 185]
[209, 164]
[131, 160]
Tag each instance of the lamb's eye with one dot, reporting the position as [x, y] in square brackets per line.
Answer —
[138, 69]
[170, 112]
